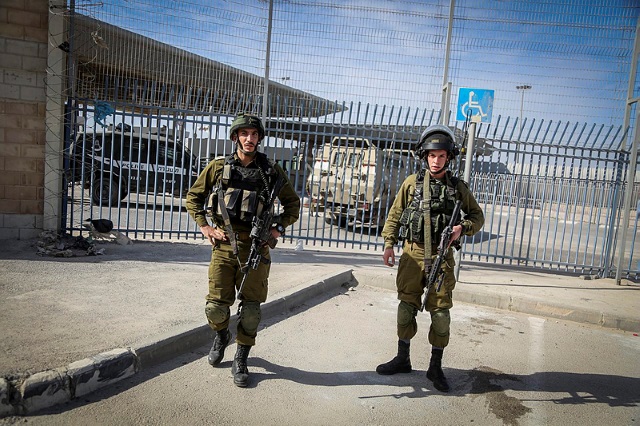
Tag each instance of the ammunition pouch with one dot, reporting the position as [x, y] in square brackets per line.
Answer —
[211, 206]
[412, 218]
[240, 204]
[402, 233]
[244, 190]
[411, 222]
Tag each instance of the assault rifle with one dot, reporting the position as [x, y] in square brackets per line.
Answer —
[435, 273]
[261, 235]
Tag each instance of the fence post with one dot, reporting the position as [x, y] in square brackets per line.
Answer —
[467, 178]
[628, 194]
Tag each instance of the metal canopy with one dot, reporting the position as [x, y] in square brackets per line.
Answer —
[159, 75]
[384, 137]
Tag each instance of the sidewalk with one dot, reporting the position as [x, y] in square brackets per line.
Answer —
[72, 325]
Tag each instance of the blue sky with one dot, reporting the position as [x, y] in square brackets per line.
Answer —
[574, 53]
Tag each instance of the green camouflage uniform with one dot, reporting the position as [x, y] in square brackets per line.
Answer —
[224, 270]
[410, 280]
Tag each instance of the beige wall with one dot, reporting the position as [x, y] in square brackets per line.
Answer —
[23, 64]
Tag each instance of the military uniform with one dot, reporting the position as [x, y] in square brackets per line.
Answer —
[420, 212]
[410, 280]
[242, 188]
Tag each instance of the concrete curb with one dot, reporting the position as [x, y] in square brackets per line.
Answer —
[539, 308]
[522, 305]
[26, 395]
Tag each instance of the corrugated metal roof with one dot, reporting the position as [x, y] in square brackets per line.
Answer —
[117, 65]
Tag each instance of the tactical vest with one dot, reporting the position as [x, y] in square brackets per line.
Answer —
[245, 190]
[442, 202]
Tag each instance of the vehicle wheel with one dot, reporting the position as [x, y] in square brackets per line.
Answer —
[180, 194]
[341, 221]
[105, 191]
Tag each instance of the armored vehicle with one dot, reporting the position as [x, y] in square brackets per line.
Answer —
[354, 182]
[120, 160]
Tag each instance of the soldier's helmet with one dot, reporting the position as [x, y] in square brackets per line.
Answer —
[244, 120]
[437, 136]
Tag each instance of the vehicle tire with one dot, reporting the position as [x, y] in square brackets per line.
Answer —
[105, 191]
[341, 221]
[180, 194]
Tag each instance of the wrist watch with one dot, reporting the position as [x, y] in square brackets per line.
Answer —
[279, 228]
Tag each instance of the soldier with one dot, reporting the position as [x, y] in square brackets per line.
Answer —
[410, 210]
[237, 188]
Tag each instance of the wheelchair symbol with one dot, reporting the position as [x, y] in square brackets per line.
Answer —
[471, 105]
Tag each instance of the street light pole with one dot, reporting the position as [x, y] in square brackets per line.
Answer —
[523, 88]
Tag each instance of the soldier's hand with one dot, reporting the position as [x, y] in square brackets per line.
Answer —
[275, 234]
[389, 257]
[456, 234]
[212, 233]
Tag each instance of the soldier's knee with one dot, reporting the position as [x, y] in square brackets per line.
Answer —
[406, 314]
[440, 321]
[250, 315]
[215, 313]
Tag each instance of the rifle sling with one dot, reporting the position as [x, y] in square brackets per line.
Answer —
[227, 222]
[426, 225]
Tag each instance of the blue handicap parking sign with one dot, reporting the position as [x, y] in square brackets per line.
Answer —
[475, 102]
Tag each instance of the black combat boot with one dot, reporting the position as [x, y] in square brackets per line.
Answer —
[399, 364]
[220, 342]
[434, 373]
[239, 367]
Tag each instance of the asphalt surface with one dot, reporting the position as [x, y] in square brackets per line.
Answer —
[315, 365]
[70, 326]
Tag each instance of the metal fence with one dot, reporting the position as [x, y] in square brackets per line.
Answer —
[153, 86]
[551, 202]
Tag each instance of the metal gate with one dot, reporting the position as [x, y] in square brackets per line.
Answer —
[552, 199]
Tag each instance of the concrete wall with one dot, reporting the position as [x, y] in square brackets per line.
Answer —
[23, 110]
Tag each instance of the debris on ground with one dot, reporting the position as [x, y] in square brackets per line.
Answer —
[50, 243]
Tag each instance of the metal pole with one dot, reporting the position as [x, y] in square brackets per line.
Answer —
[523, 88]
[265, 95]
[628, 194]
[446, 88]
[517, 154]
[634, 150]
[446, 96]
[520, 121]
[632, 78]
[470, 147]
[467, 178]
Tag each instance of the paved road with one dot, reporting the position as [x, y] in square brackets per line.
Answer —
[315, 366]
[520, 237]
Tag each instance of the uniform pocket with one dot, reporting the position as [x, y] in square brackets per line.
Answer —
[248, 205]
[449, 276]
